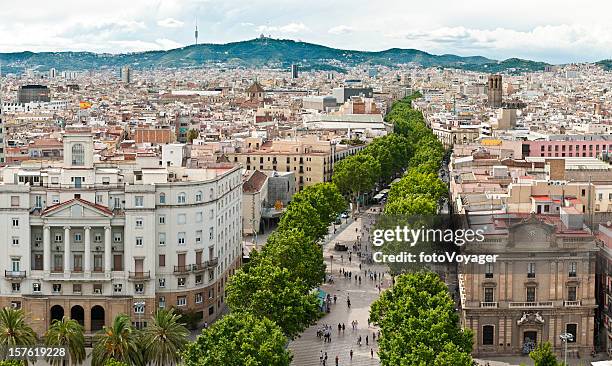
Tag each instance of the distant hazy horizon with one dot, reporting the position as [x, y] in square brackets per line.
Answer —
[542, 30]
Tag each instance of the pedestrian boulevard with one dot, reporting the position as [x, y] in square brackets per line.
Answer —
[307, 348]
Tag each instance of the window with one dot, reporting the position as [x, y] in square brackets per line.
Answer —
[162, 282]
[211, 310]
[78, 262]
[117, 237]
[571, 293]
[139, 288]
[162, 302]
[58, 238]
[76, 288]
[162, 219]
[97, 263]
[488, 332]
[181, 301]
[181, 219]
[57, 287]
[139, 309]
[78, 237]
[55, 199]
[117, 288]
[572, 269]
[181, 281]
[198, 237]
[139, 222]
[36, 287]
[97, 288]
[181, 238]
[98, 237]
[198, 298]
[571, 329]
[139, 241]
[531, 294]
[489, 270]
[198, 196]
[198, 279]
[15, 222]
[15, 286]
[181, 198]
[531, 270]
[78, 154]
[162, 260]
[162, 198]
[198, 217]
[162, 239]
[139, 201]
[99, 199]
[488, 294]
[15, 240]
[14, 201]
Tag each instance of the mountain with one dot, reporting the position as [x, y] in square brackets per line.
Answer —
[257, 53]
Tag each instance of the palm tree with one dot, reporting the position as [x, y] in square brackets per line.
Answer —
[14, 330]
[163, 340]
[119, 342]
[67, 333]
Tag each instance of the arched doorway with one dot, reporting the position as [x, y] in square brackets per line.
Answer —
[57, 312]
[97, 318]
[77, 313]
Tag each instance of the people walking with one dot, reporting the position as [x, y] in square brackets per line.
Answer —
[351, 354]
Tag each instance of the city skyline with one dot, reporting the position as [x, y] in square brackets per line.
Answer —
[438, 27]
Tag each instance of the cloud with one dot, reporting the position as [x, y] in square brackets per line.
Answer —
[170, 23]
[287, 28]
[340, 29]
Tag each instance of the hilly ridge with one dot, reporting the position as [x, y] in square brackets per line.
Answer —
[258, 52]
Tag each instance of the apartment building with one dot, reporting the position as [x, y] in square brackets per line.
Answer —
[310, 159]
[90, 239]
[541, 286]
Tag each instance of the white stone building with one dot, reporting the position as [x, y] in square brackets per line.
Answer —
[91, 239]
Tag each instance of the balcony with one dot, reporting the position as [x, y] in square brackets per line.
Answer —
[198, 267]
[15, 274]
[525, 305]
[211, 263]
[572, 304]
[181, 269]
[488, 305]
[140, 275]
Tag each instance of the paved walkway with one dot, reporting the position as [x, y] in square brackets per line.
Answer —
[307, 349]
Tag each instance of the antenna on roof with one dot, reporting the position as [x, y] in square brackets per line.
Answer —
[196, 30]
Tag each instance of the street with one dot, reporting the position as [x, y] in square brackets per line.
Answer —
[307, 348]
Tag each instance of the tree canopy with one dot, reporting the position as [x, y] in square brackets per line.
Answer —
[239, 339]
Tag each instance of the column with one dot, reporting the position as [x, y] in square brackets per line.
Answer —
[47, 249]
[107, 250]
[87, 259]
[66, 250]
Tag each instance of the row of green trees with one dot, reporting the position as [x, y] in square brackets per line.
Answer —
[160, 343]
[271, 298]
[419, 324]
[420, 189]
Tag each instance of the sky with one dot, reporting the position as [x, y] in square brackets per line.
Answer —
[544, 30]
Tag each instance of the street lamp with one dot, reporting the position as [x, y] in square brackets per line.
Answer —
[139, 307]
[566, 337]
